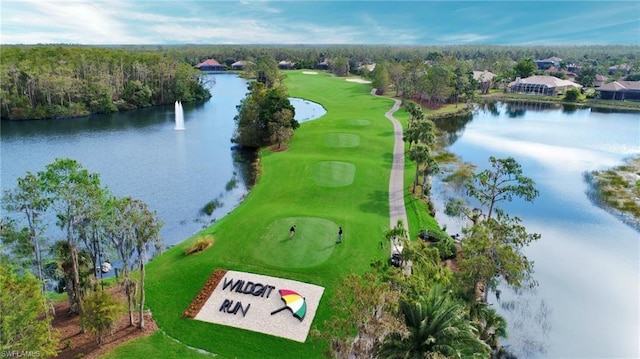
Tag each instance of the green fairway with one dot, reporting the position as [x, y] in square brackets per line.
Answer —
[335, 173]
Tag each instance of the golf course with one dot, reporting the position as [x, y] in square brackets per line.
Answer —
[335, 172]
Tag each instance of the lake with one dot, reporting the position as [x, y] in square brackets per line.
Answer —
[587, 262]
[140, 154]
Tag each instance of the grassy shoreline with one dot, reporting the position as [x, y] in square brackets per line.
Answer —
[618, 190]
[594, 103]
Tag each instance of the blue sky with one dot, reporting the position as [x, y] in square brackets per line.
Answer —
[320, 22]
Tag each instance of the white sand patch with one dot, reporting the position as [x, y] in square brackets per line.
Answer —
[309, 72]
[360, 81]
[246, 300]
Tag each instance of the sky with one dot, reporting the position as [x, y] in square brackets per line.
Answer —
[515, 22]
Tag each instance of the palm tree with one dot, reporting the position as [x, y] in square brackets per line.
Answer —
[436, 327]
[419, 154]
[491, 326]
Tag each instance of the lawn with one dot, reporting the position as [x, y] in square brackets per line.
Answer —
[335, 173]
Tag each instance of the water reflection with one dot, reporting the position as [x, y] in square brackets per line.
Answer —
[452, 127]
[587, 262]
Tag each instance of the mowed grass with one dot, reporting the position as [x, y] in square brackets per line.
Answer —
[335, 173]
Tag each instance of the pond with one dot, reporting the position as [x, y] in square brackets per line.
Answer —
[587, 262]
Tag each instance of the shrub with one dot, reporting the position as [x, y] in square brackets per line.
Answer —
[101, 312]
[446, 248]
[199, 245]
[572, 95]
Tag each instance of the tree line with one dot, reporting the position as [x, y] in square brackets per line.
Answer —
[92, 222]
[41, 82]
[482, 56]
[53, 81]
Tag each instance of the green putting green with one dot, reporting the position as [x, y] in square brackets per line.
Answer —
[333, 173]
[312, 243]
[341, 140]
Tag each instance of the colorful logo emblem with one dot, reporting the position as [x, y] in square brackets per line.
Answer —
[294, 302]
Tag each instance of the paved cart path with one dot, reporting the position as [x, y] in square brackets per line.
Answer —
[397, 210]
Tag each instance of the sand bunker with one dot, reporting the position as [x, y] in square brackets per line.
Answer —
[360, 81]
[309, 72]
[270, 305]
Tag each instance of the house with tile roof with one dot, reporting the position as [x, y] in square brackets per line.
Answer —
[484, 80]
[620, 90]
[483, 76]
[210, 65]
[240, 65]
[542, 85]
[600, 80]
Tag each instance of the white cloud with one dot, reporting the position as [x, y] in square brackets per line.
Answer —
[463, 38]
[73, 22]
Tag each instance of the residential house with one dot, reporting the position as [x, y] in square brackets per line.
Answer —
[542, 85]
[554, 71]
[324, 65]
[286, 65]
[600, 80]
[210, 65]
[362, 68]
[620, 90]
[239, 65]
[623, 68]
[546, 63]
[484, 79]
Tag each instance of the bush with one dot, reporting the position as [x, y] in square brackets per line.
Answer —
[446, 248]
[100, 314]
[199, 245]
[572, 95]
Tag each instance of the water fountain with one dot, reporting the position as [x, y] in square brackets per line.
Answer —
[179, 116]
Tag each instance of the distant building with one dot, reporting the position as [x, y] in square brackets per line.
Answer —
[573, 67]
[620, 90]
[542, 85]
[239, 65]
[600, 80]
[484, 79]
[362, 68]
[546, 63]
[624, 68]
[210, 65]
[324, 65]
[483, 76]
[286, 65]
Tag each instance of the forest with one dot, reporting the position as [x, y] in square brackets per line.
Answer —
[43, 82]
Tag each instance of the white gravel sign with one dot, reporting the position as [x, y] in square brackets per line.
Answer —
[270, 305]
